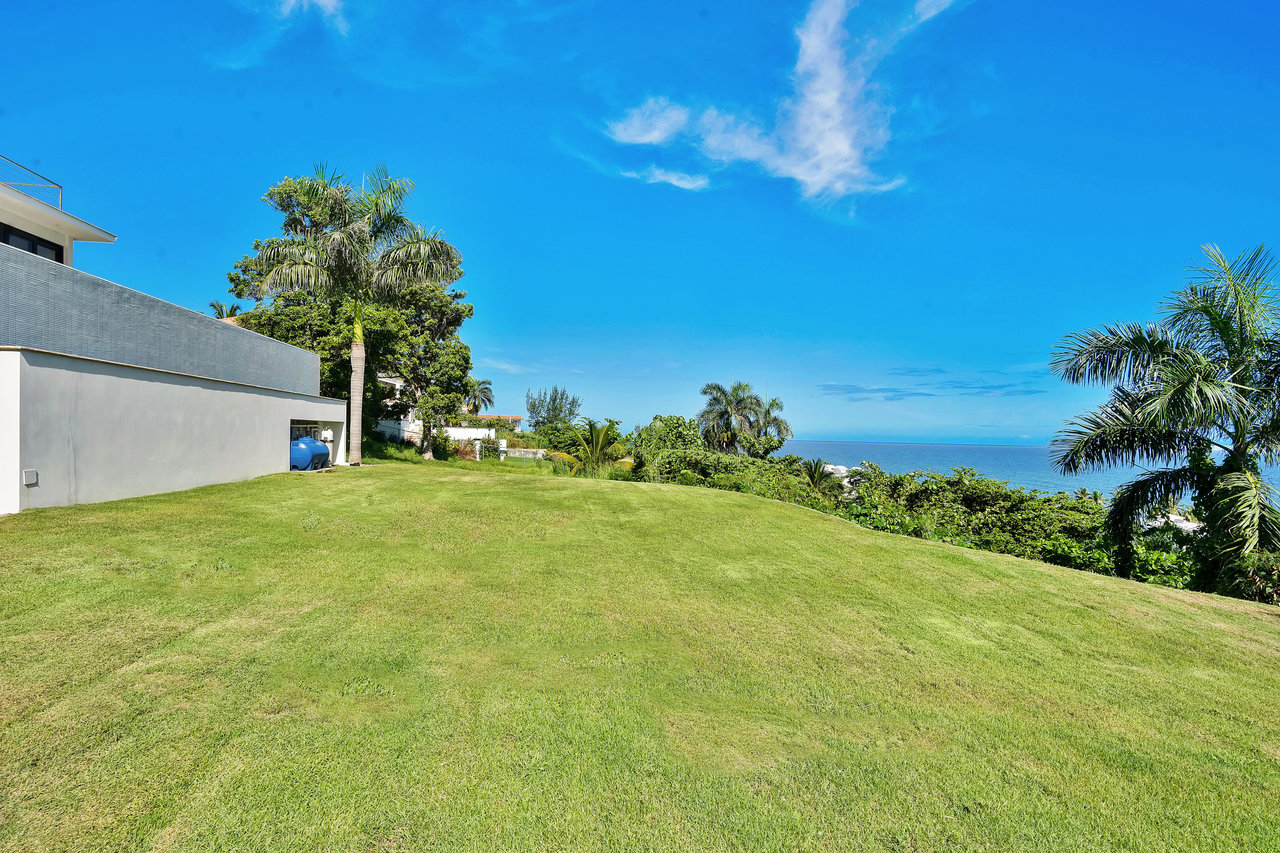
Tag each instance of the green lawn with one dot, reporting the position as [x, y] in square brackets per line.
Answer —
[435, 656]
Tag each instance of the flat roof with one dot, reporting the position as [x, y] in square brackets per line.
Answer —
[51, 217]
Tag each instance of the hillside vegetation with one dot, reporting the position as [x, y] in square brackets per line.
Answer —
[437, 657]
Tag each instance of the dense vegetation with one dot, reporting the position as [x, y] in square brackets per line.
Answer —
[1196, 397]
[355, 279]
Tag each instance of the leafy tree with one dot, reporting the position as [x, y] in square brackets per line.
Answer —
[315, 323]
[440, 384]
[479, 395]
[549, 407]
[1195, 394]
[728, 414]
[354, 244]
[222, 310]
[662, 435]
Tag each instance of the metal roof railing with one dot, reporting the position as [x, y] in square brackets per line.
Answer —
[30, 183]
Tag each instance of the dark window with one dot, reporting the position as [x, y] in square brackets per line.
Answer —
[30, 243]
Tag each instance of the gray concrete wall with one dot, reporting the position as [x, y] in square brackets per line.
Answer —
[50, 306]
[10, 473]
[95, 431]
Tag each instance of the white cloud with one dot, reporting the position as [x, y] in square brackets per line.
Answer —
[506, 366]
[330, 9]
[655, 121]
[827, 132]
[926, 9]
[658, 175]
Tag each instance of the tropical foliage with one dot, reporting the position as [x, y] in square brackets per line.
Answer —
[818, 474]
[222, 310]
[735, 419]
[479, 395]
[357, 245]
[599, 446]
[1194, 397]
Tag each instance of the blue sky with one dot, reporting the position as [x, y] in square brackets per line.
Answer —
[886, 213]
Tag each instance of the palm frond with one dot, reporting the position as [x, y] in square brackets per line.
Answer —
[1151, 491]
[1245, 504]
[1123, 354]
[297, 265]
[424, 258]
[1190, 392]
[1118, 433]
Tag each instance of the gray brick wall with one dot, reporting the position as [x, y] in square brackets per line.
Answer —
[48, 306]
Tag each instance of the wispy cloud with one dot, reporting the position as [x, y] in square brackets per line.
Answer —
[658, 175]
[963, 387]
[859, 393]
[653, 122]
[828, 130]
[917, 371]
[926, 9]
[402, 45]
[330, 10]
[506, 366]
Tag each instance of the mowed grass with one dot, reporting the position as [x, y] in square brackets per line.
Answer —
[406, 657]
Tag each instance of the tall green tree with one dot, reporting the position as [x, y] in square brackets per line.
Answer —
[729, 414]
[769, 431]
[1195, 397]
[222, 310]
[551, 407]
[435, 364]
[439, 383]
[357, 245]
[479, 395]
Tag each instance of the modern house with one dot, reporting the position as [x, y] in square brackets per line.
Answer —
[108, 393]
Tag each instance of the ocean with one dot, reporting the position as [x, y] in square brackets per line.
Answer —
[1028, 467]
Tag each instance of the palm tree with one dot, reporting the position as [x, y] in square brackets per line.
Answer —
[769, 424]
[1196, 395]
[728, 413]
[817, 474]
[479, 396]
[597, 448]
[222, 310]
[360, 245]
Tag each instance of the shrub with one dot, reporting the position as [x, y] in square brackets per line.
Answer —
[688, 478]
[664, 434]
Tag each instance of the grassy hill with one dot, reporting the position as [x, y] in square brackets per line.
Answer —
[409, 657]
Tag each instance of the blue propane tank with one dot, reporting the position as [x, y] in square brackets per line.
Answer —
[319, 453]
[299, 456]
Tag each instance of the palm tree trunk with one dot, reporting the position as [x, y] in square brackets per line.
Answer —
[355, 429]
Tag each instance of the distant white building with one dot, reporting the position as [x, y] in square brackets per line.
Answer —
[108, 393]
[409, 428]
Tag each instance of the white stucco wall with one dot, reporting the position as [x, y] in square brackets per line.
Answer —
[96, 431]
[468, 433]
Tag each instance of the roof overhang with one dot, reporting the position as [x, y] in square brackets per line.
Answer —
[52, 218]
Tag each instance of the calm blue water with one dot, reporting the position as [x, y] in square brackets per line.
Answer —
[1027, 467]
